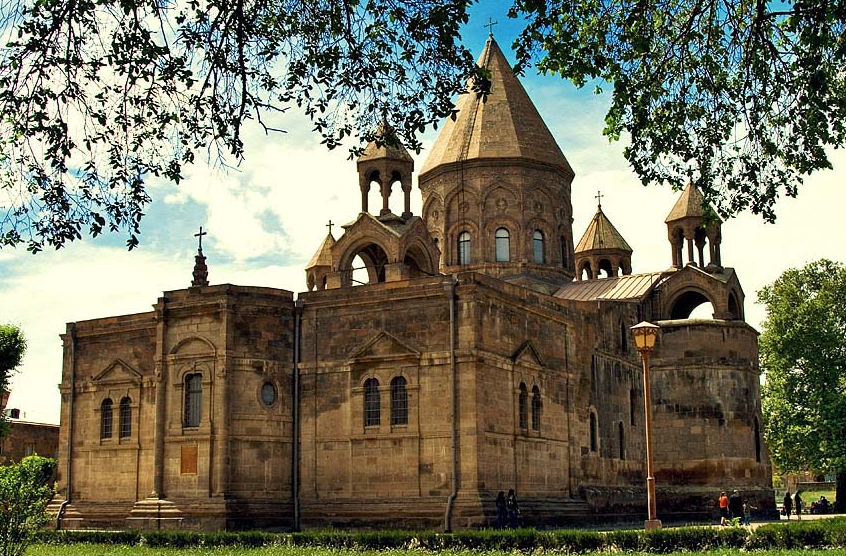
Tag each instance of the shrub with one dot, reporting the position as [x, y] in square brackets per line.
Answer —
[24, 493]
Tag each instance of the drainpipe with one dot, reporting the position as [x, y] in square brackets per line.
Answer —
[71, 335]
[295, 472]
[453, 385]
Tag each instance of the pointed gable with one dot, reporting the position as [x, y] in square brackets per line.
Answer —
[118, 371]
[601, 234]
[385, 346]
[528, 356]
[503, 124]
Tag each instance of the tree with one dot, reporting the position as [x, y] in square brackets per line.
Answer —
[25, 491]
[12, 350]
[803, 356]
[741, 97]
[98, 97]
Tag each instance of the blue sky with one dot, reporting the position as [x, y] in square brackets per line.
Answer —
[266, 219]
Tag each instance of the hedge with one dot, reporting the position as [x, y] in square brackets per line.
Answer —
[828, 533]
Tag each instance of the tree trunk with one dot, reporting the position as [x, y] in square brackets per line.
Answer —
[840, 493]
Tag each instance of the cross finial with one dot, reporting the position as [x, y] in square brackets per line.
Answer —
[329, 225]
[599, 199]
[200, 236]
[490, 25]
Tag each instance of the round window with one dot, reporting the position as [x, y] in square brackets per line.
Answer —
[268, 394]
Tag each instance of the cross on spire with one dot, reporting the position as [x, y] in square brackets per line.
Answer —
[599, 199]
[200, 236]
[329, 225]
[490, 25]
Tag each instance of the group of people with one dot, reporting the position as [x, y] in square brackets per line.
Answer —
[507, 510]
[791, 503]
[733, 507]
[821, 506]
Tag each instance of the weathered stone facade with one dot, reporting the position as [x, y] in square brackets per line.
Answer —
[26, 438]
[469, 363]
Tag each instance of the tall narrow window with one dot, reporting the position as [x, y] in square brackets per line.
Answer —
[523, 407]
[503, 245]
[536, 408]
[464, 248]
[193, 399]
[125, 418]
[757, 441]
[538, 247]
[564, 251]
[399, 402]
[106, 418]
[632, 407]
[594, 440]
[372, 409]
[621, 433]
[624, 338]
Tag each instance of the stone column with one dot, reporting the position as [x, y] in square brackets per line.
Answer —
[220, 484]
[161, 375]
[386, 194]
[690, 257]
[700, 247]
[406, 189]
[365, 190]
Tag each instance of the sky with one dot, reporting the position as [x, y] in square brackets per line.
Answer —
[266, 219]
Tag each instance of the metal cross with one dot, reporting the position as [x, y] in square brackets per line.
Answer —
[200, 235]
[490, 25]
[329, 225]
[599, 198]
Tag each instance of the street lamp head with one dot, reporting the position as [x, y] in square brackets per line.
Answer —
[645, 334]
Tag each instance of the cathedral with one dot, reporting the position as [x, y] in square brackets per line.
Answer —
[435, 360]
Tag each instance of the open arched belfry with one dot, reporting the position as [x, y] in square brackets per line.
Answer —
[435, 360]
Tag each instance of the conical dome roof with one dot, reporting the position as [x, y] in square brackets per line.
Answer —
[394, 150]
[601, 234]
[505, 124]
[689, 205]
[323, 256]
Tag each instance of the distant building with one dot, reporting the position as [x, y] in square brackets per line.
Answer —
[26, 438]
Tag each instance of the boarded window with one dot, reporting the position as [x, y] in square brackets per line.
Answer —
[188, 461]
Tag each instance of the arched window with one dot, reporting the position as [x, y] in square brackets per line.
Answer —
[399, 402]
[536, 408]
[523, 407]
[125, 416]
[621, 433]
[538, 247]
[372, 409]
[632, 406]
[757, 441]
[594, 437]
[503, 245]
[464, 248]
[106, 418]
[564, 251]
[193, 399]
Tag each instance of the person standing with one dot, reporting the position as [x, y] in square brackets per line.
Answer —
[735, 505]
[501, 512]
[797, 505]
[724, 508]
[512, 507]
[787, 505]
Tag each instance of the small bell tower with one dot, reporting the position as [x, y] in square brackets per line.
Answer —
[385, 162]
[686, 223]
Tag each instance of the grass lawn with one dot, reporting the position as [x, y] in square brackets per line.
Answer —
[123, 550]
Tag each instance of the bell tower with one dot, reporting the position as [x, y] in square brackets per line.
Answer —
[686, 223]
[385, 162]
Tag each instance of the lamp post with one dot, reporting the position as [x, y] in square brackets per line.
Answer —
[645, 335]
